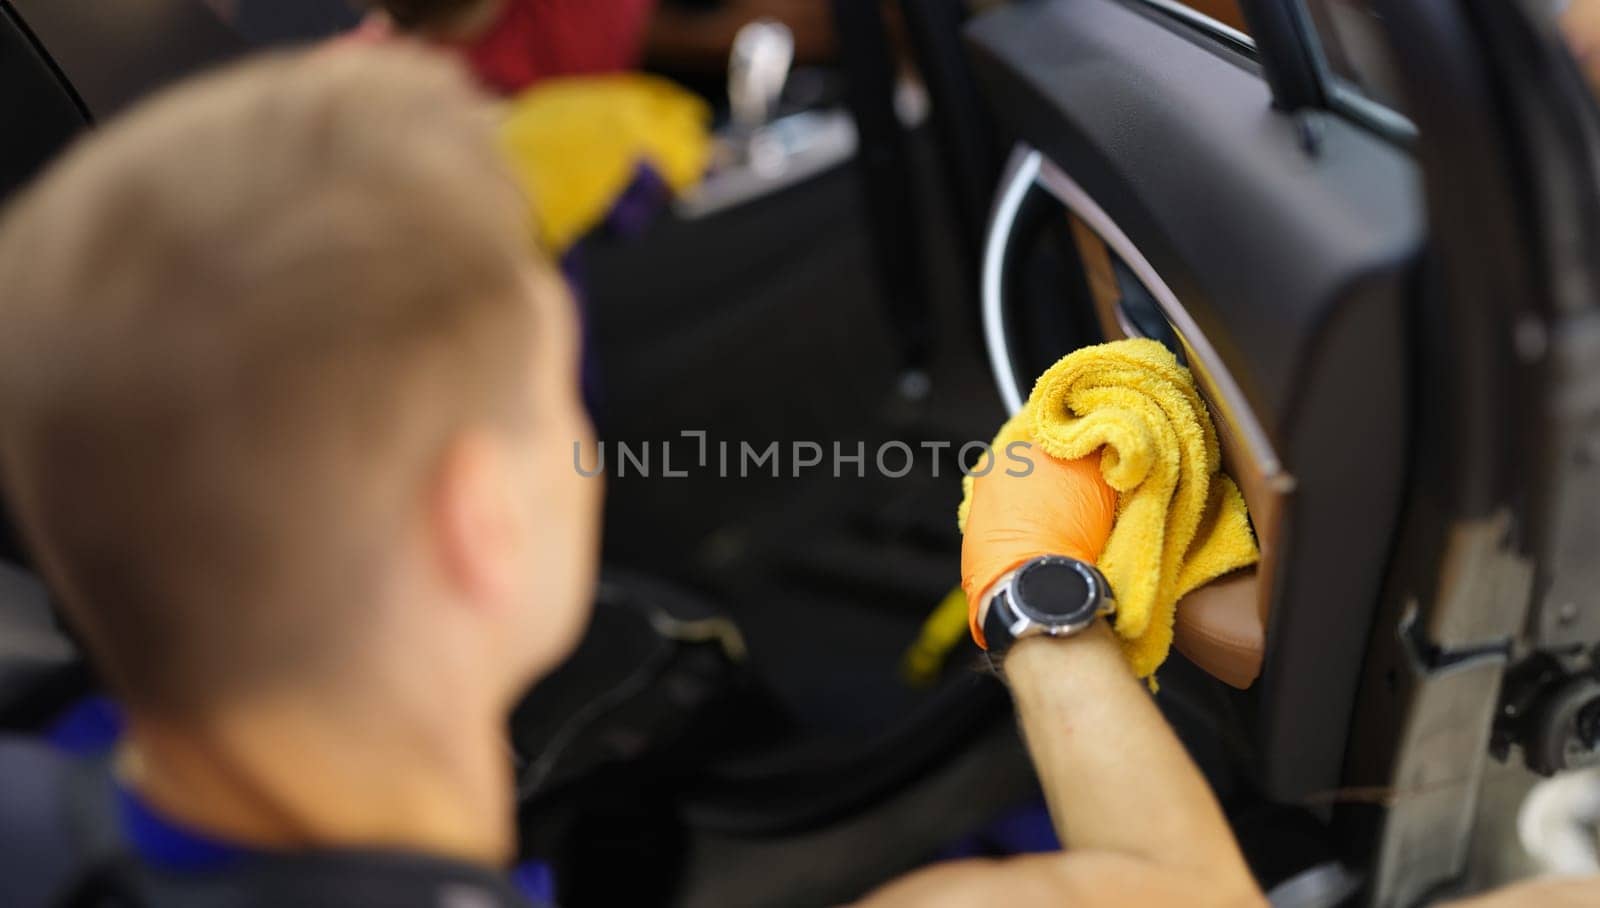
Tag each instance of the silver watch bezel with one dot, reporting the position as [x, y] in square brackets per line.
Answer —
[1024, 621]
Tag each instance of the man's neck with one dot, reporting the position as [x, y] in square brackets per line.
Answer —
[296, 774]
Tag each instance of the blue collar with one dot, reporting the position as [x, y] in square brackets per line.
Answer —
[164, 843]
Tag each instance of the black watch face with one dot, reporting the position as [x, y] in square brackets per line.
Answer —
[1056, 592]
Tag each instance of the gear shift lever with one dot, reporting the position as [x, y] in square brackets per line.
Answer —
[758, 67]
[758, 151]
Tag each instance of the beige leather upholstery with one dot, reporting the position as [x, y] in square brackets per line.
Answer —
[1219, 630]
[1222, 626]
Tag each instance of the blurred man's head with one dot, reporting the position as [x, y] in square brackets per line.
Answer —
[444, 19]
[286, 402]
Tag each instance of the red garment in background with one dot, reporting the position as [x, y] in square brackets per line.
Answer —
[536, 39]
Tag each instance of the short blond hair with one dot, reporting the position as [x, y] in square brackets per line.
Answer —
[236, 328]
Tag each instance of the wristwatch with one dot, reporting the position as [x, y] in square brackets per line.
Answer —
[1053, 596]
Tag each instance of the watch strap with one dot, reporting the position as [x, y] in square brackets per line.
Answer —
[997, 623]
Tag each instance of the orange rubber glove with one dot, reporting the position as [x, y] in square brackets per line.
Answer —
[1062, 507]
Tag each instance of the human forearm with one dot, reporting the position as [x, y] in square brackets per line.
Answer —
[1115, 776]
[1130, 806]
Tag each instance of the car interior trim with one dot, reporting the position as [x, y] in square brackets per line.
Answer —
[1193, 18]
[1203, 358]
[1027, 169]
[1022, 173]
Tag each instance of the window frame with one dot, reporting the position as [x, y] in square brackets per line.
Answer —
[1296, 45]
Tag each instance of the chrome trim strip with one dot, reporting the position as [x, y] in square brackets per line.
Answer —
[1203, 358]
[1028, 168]
[1196, 19]
[1021, 174]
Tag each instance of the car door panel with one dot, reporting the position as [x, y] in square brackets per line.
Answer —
[38, 113]
[1284, 245]
[115, 53]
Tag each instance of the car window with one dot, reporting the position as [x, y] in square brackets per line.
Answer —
[1360, 74]
[1356, 48]
[1360, 78]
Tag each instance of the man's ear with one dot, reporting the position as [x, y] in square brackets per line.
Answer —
[472, 522]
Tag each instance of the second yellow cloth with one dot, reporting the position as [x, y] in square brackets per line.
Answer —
[576, 143]
[1180, 521]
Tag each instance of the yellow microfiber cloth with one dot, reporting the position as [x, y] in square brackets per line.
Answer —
[575, 145]
[1180, 522]
[941, 633]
